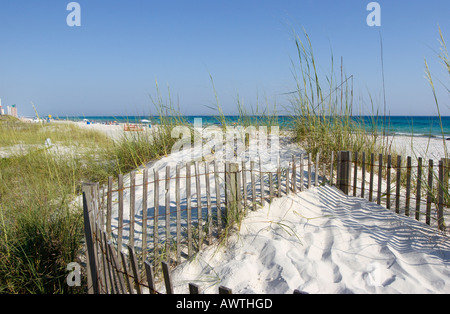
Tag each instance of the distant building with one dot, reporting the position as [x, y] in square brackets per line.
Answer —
[12, 111]
[2, 111]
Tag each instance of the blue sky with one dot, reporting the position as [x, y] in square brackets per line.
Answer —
[109, 65]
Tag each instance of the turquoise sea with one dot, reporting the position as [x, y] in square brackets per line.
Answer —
[429, 126]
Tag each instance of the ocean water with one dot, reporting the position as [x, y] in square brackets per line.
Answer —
[427, 126]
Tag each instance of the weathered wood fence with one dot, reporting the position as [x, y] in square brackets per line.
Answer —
[167, 217]
[420, 190]
[136, 232]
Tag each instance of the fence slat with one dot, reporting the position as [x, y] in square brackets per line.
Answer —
[156, 215]
[331, 168]
[218, 196]
[316, 170]
[261, 183]
[419, 188]
[93, 287]
[270, 187]
[135, 270]
[225, 290]
[109, 208]
[199, 205]
[120, 222]
[144, 212]
[244, 185]
[344, 171]
[408, 186]
[338, 166]
[355, 174]
[388, 182]
[208, 201]
[363, 174]
[294, 175]
[189, 208]
[279, 176]
[443, 186]
[167, 217]
[238, 197]
[380, 177]
[287, 178]
[108, 267]
[194, 289]
[372, 160]
[232, 192]
[167, 278]
[301, 172]
[324, 173]
[132, 207]
[104, 289]
[150, 277]
[430, 191]
[178, 214]
[309, 170]
[118, 278]
[125, 270]
[253, 183]
[397, 188]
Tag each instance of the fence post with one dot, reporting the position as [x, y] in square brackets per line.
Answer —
[232, 187]
[88, 204]
[443, 190]
[344, 171]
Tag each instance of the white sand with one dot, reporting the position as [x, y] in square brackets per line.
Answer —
[113, 131]
[320, 241]
[427, 148]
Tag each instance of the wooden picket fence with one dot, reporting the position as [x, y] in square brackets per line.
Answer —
[179, 218]
[128, 251]
[408, 189]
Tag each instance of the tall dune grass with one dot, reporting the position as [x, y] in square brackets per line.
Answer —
[41, 227]
[444, 58]
[322, 109]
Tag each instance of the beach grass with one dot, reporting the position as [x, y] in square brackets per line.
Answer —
[444, 59]
[41, 225]
[323, 110]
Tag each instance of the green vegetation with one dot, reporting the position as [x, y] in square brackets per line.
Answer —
[322, 110]
[41, 221]
[41, 226]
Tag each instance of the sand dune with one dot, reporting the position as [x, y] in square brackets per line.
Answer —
[317, 241]
[321, 241]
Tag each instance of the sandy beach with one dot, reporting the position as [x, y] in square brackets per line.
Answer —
[316, 241]
[115, 131]
[321, 241]
[425, 147]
